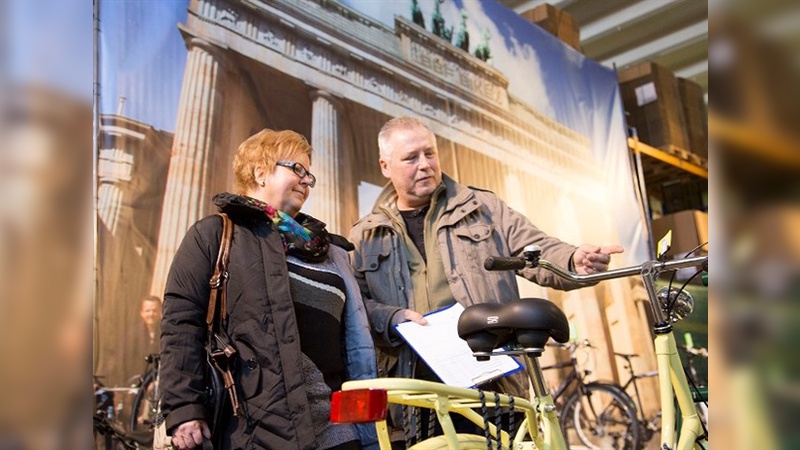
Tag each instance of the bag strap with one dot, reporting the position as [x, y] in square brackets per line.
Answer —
[221, 352]
[219, 280]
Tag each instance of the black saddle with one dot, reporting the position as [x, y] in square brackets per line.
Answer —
[528, 322]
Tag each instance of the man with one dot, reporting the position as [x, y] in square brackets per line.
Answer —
[143, 338]
[424, 244]
[151, 319]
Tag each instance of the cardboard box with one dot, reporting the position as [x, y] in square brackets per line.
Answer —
[557, 22]
[696, 116]
[680, 195]
[689, 229]
[651, 97]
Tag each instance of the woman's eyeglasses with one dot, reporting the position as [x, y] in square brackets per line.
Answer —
[299, 170]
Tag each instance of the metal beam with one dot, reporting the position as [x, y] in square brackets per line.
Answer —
[638, 146]
[623, 17]
[692, 70]
[658, 46]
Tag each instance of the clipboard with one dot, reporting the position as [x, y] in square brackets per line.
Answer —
[449, 356]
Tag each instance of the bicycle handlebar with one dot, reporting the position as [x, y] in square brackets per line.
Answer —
[648, 270]
[531, 260]
[504, 263]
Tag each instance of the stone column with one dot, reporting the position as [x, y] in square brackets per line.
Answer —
[325, 200]
[186, 197]
[114, 172]
[114, 168]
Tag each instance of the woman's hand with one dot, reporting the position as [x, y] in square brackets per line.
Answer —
[190, 434]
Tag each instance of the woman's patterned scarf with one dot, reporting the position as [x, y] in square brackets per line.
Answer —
[308, 242]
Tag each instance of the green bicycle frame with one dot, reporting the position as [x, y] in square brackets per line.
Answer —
[444, 399]
[669, 362]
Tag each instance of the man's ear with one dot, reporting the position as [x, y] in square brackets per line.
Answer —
[384, 168]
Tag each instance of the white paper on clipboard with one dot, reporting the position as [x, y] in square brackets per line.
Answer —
[449, 356]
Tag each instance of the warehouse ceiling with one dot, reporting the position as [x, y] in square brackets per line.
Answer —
[622, 33]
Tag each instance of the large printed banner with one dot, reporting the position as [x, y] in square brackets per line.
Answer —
[183, 83]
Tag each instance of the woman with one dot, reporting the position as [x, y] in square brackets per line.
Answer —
[295, 314]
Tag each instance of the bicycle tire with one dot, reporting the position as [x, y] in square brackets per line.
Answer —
[144, 400]
[648, 428]
[601, 417]
[465, 442]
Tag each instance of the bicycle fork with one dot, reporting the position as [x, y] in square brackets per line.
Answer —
[669, 362]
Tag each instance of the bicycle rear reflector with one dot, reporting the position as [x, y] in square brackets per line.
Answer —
[359, 405]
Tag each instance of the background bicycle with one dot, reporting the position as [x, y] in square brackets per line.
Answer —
[649, 424]
[109, 431]
[595, 415]
[143, 409]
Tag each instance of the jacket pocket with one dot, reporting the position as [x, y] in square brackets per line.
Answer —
[381, 271]
[472, 246]
[373, 252]
[249, 370]
[371, 262]
[474, 233]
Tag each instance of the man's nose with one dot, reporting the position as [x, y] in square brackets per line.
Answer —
[424, 163]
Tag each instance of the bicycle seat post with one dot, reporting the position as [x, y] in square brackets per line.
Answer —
[628, 362]
[535, 374]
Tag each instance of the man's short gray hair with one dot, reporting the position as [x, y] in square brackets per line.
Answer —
[398, 123]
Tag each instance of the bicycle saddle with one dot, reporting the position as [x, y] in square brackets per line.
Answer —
[528, 322]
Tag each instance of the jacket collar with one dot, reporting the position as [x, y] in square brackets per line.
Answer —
[461, 201]
[457, 195]
[239, 208]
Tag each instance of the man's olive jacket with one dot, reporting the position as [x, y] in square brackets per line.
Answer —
[475, 224]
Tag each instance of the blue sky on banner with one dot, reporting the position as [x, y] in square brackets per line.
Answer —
[143, 57]
[543, 72]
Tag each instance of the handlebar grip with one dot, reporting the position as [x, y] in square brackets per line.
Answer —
[504, 263]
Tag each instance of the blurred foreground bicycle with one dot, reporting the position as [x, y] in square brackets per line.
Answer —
[522, 328]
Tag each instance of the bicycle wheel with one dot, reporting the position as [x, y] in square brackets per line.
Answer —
[143, 410]
[600, 417]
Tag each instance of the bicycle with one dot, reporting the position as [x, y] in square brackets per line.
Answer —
[615, 427]
[648, 425]
[522, 328]
[692, 353]
[106, 426]
[699, 387]
[144, 408]
[669, 305]
[367, 400]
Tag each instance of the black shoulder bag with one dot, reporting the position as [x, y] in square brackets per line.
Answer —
[220, 352]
